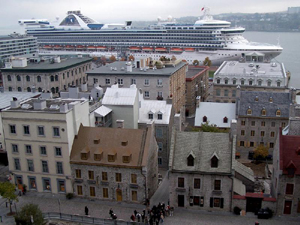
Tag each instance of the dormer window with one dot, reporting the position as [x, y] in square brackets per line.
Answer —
[204, 119]
[214, 162]
[159, 116]
[298, 151]
[84, 156]
[263, 112]
[278, 112]
[256, 98]
[249, 111]
[190, 160]
[225, 120]
[291, 169]
[271, 100]
[150, 116]
[124, 143]
[111, 157]
[96, 141]
[98, 156]
[126, 158]
[218, 81]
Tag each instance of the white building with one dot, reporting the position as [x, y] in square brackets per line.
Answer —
[39, 135]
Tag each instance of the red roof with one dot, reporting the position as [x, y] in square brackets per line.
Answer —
[288, 153]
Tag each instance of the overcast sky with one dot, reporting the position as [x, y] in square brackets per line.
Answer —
[105, 11]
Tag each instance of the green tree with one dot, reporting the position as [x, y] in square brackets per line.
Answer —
[195, 62]
[30, 214]
[7, 191]
[112, 58]
[206, 127]
[261, 152]
[131, 58]
[207, 62]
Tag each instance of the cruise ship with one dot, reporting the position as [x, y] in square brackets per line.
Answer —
[215, 39]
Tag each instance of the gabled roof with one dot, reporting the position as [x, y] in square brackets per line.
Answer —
[120, 96]
[102, 111]
[155, 107]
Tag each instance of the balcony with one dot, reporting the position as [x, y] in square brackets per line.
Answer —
[179, 189]
[136, 186]
[78, 180]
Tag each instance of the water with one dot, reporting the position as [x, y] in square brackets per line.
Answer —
[290, 55]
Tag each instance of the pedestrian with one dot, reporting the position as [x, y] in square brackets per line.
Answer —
[132, 218]
[111, 212]
[138, 216]
[135, 212]
[143, 215]
[171, 211]
[86, 209]
[161, 218]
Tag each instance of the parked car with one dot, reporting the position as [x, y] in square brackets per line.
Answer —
[265, 213]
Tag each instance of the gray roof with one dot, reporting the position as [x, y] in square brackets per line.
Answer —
[281, 101]
[202, 146]
[122, 70]
[44, 66]
[193, 72]
[7, 97]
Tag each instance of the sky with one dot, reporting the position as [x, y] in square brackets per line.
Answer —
[119, 11]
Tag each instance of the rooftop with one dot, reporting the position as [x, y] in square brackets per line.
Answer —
[195, 71]
[120, 68]
[14, 36]
[7, 97]
[120, 96]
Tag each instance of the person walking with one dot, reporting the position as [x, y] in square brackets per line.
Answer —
[111, 212]
[86, 210]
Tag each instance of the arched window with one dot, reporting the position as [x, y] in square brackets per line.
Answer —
[8, 78]
[204, 119]
[9, 88]
[56, 77]
[52, 78]
[28, 89]
[39, 79]
[28, 78]
[271, 100]
[214, 162]
[190, 160]
[225, 120]
[278, 112]
[249, 111]
[57, 89]
[150, 116]
[18, 78]
[159, 116]
[53, 90]
[256, 98]
[263, 112]
[19, 89]
[40, 89]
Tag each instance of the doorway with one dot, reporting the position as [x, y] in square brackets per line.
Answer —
[19, 182]
[253, 204]
[180, 200]
[119, 195]
[287, 207]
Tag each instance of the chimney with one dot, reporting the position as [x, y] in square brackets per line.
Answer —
[39, 104]
[63, 108]
[129, 67]
[96, 85]
[46, 95]
[73, 92]
[120, 123]
[1, 89]
[57, 59]
[84, 87]
[177, 122]
[33, 89]
[198, 100]
[15, 103]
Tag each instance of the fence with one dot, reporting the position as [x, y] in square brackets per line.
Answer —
[87, 219]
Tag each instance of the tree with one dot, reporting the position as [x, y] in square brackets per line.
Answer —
[30, 214]
[131, 58]
[112, 58]
[195, 62]
[207, 62]
[7, 191]
[173, 58]
[206, 127]
[261, 152]
[103, 60]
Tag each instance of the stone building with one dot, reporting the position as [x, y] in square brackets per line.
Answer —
[156, 84]
[196, 86]
[286, 172]
[260, 114]
[38, 137]
[53, 75]
[114, 164]
[249, 76]
[200, 170]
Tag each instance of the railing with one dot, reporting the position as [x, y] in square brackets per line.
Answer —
[86, 219]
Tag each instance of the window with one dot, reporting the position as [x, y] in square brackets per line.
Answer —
[59, 168]
[218, 81]
[226, 81]
[159, 82]
[250, 82]
[56, 77]
[159, 159]
[146, 94]
[52, 78]
[160, 146]
[19, 89]
[252, 123]
[262, 133]
[217, 185]
[105, 192]
[243, 122]
[46, 184]
[159, 132]
[43, 150]
[133, 81]
[226, 92]
[18, 78]
[28, 89]
[278, 83]
[78, 173]
[97, 157]
[17, 164]
[272, 134]
[111, 158]
[251, 144]
[159, 116]
[8, 78]
[197, 183]
[58, 151]
[278, 113]
[41, 131]
[159, 94]
[120, 81]
[134, 196]
[273, 124]
[45, 167]
[271, 145]
[133, 178]
[216, 202]
[263, 112]
[249, 112]
[147, 82]
[95, 81]
[180, 182]
[28, 149]
[104, 176]
[242, 143]
[39, 79]
[92, 192]
[225, 120]
[214, 162]
[259, 82]
[15, 148]
[26, 130]
[61, 185]
[283, 124]
[252, 133]
[263, 123]
[242, 132]
[56, 132]
[150, 116]
[234, 81]
[118, 177]
[233, 93]
[271, 100]
[269, 83]
[190, 160]
[79, 190]
[107, 81]
[9, 88]
[32, 183]
[289, 190]
[91, 175]
[242, 82]
[28, 78]
[218, 92]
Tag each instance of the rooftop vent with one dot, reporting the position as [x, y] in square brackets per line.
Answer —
[273, 64]
[26, 106]
[251, 64]
[54, 107]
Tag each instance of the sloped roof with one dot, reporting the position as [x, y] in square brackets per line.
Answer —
[6, 97]
[108, 141]
[204, 145]
[102, 111]
[281, 101]
[215, 113]
[120, 96]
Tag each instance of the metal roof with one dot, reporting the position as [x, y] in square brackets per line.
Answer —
[120, 96]
[102, 111]
[6, 97]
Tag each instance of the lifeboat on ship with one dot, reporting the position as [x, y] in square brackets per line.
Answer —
[134, 48]
[189, 49]
[69, 47]
[57, 47]
[176, 50]
[147, 49]
[80, 47]
[47, 46]
[91, 47]
[161, 49]
[101, 47]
